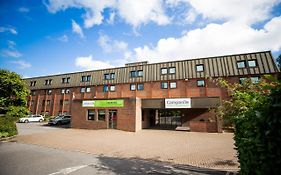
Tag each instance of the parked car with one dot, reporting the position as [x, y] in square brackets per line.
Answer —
[31, 118]
[60, 120]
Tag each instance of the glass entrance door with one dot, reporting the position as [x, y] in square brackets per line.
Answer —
[112, 119]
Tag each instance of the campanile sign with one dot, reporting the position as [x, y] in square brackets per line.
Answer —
[178, 103]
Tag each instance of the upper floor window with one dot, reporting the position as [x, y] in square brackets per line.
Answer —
[112, 88]
[140, 87]
[200, 83]
[241, 64]
[164, 71]
[164, 85]
[65, 80]
[136, 73]
[172, 70]
[48, 82]
[112, 76]
[106, 76]
[132, 87]
[105, 88]
[252, 63]
[86, 78]
[33, 93]
[200, 68]
[48, 91]
[173, 85]
[32, 83]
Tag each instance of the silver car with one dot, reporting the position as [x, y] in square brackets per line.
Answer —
[60, 120]
[31, 118]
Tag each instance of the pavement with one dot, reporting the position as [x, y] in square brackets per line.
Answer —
[41, 149]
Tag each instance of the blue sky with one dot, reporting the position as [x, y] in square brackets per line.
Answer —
[60, 36]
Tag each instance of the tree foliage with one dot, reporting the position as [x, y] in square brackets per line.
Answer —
[255, 111]
[278, 60]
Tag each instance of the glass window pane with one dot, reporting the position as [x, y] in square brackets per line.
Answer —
[82, 90]
[164, 85]
[140, 73]
[112, 75]
[164, 71]
[255, 79]
[241, 80]
[140, 87]
[133, 74]
[132, 87]
[241, 64]
[105, 88]
[91, 114]
[106, 76]
[252, 63]
[200, 83]
[101, 115]
[173, 85]
[112, 88]
[88, 89]
[172, 70]
[199, 68]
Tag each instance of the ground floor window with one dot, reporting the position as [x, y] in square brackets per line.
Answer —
[101, 115]
[91, 114]
[169, 117]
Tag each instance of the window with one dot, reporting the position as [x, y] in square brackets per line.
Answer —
[112, 75]
[88, 77]
[200, 83]
[106, 76]
[252, 63]
[132, 87]
[63, 91]
[65, 80]
[164, 71]
[101, 115]
[48, 82]
[242, 79]
[33, 93]
[82, 90]
[88, 89]
[164, 85]
[91, 114]
[105, 88]
[48, 102]
[255, 79]
[172, 70]
[48, 91]
[140, 87]
[32, 83]
[241, 64]
[200, 68]
[112, 88]
[67, 91]
[140, 73]
[66, 102]
[133, 74]
[173, 85]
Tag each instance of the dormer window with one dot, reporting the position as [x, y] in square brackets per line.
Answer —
[48, 82]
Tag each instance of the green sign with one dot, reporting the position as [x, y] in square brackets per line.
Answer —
[103, 103]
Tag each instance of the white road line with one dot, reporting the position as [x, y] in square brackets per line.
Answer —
[69, 170]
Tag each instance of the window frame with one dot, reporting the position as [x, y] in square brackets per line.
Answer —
[83, 89]
[238, 63]
[103, 114]
[140, 85]
[255, 61]
[92, 114]
[166, 70]
[87, 89]
[106, 76]
[164, 83]
[112, 76]
[197, 68]
[105, 88]
[172, 68]
[133, 85]
[112, 90]
[140, 73]
[203, 85]
[174, 82]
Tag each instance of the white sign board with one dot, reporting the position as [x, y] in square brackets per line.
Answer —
[88, 103]
[178, 103]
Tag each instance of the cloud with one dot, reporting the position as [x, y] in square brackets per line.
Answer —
[11, 44]
[23, 10]
[215, 39]
[108, 45]
[9, 30]
[77, 29]
[10, 53]
[88, 63]
[135, 12]
[22, 64]
[63, 38]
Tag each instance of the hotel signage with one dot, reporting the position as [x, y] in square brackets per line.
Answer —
[103, 103]
[178, 103]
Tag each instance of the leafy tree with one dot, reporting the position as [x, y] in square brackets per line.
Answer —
[278, 60]
[13, 93]
[255, 110]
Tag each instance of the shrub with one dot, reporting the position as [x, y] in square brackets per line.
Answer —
[255, 110]
[7, 127]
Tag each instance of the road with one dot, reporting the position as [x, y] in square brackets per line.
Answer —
[27, 159]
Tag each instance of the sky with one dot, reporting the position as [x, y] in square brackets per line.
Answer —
[46, 37]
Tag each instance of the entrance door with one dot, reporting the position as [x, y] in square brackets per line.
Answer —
[112, 119]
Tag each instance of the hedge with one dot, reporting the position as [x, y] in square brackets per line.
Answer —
[7, 127]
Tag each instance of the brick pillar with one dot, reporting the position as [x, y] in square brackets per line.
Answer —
[54, 105]
[37, 104]
[62, 108]
[29, 103]
[107, 118]
[96, 115]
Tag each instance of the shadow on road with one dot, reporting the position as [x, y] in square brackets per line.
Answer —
[142, 166]
[66, 126]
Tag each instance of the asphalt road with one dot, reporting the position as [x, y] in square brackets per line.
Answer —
[25, 159]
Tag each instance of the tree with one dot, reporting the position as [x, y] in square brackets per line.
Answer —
[278, 60]
[13, 94]
[255, 110]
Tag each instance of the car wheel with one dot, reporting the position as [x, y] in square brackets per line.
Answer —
[26, 121]
[40, 120]
[59, 123]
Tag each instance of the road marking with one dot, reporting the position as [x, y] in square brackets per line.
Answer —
[69, 170]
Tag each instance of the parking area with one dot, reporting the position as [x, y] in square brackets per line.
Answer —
[209, 150]
[37, 127]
